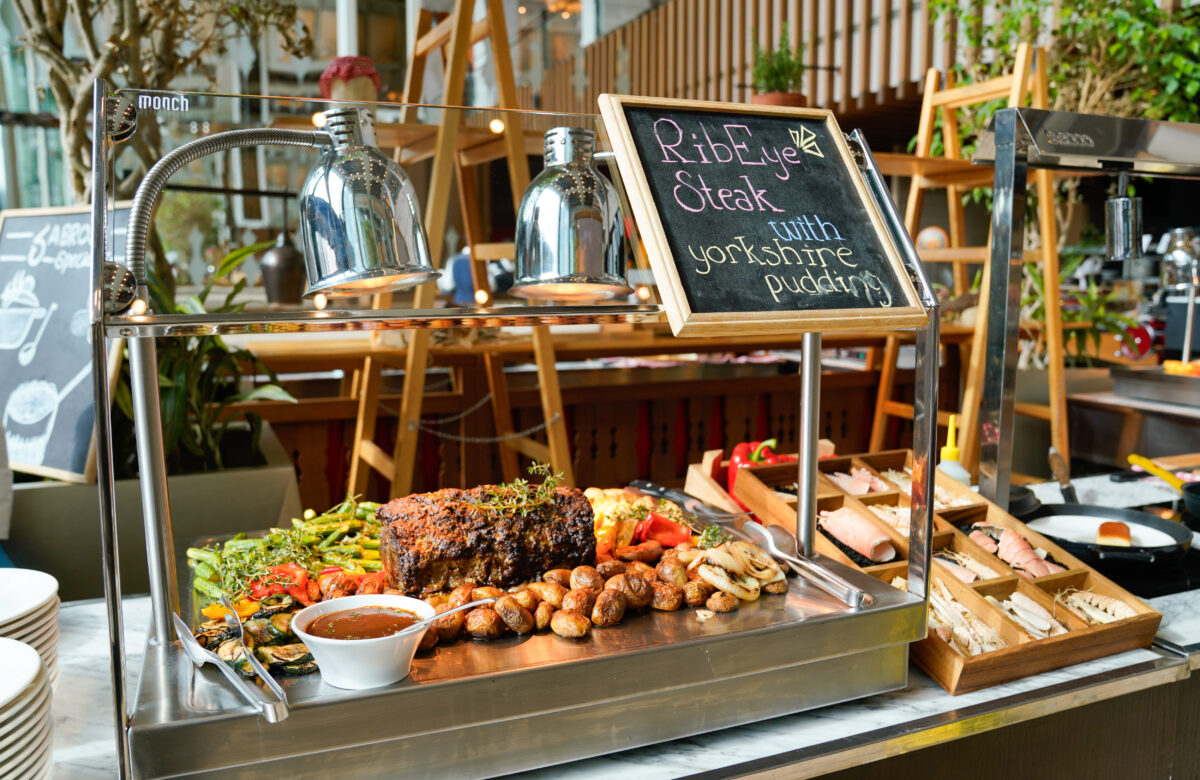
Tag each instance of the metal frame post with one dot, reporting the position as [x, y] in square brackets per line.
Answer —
[110, 561]
[810, 434]
[925, 394]
[1003, 323]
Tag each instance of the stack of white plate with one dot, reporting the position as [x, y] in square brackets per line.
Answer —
[29, 613]
[25, 743]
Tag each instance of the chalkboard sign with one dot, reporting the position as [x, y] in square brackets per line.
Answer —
[47, 401]
[756, 220]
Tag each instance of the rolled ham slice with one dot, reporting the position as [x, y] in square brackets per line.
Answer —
[858, 533]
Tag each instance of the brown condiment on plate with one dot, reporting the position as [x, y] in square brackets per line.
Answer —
[361, 623]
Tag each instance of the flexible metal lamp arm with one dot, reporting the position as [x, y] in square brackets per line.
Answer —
[151, 188]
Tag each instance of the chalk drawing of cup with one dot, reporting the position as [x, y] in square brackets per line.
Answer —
[29, 416]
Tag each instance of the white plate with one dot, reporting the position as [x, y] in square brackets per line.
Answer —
[34, 723]
[34, 630]
[33, 767]
[23, 591]
[22, 700]
[1083, 528]
[37, 616]
[46, 637]
[22, 747]
[13, 721]
[21, 664]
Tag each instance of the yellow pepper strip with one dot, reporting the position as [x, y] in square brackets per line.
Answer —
[370, 555]
[244, 608]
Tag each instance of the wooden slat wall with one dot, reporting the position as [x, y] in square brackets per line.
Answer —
[704, 49]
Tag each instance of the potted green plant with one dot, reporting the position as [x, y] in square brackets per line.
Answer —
[777, 73]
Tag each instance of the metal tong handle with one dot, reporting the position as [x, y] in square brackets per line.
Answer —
[233, 621]
[199, 655]
[850, 595]
[686, 501]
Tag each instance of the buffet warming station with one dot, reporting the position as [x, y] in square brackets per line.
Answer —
[487, 708]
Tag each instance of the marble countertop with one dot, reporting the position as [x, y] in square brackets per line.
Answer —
[829, 738]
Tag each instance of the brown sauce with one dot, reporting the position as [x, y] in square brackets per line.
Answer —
[361, 623]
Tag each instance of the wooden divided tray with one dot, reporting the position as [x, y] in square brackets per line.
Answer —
[768, 491]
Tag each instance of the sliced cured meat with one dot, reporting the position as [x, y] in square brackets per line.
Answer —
[876, 484]
[961, 572]
[1016, 551]
[852, 485]
[983, 540]
[858, 533]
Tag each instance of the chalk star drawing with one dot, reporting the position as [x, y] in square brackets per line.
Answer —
[806, 141]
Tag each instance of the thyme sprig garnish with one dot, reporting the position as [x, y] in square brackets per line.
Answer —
[521, 497]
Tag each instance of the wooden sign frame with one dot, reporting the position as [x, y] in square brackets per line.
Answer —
[684, 321]
[113, 368]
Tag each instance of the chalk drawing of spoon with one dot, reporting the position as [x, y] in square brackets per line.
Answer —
[25, 356]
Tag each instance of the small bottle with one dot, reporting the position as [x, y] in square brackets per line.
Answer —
[948, 464]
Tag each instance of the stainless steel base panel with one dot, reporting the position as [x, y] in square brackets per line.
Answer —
[478, 709]
[1153, 384]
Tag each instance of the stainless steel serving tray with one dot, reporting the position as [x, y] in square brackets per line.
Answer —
[1154, 384]
[477, 709]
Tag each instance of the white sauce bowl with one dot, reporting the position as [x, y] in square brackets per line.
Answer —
[362, 663]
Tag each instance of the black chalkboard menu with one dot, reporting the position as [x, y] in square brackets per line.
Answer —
[755, 219]
[47, 403]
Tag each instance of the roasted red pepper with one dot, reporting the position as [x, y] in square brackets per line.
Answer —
[739, 458]
[663, 530]
[290, 578]
[765, 454]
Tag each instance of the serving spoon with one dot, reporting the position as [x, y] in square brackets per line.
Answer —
[426, 621]
[781, 543]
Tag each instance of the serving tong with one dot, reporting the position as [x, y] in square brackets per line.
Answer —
[776, 540]
[272, 703]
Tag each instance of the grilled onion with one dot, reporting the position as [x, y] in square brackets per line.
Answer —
[754, 562]
[743, 586]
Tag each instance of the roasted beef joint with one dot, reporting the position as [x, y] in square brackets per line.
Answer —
[436, 541]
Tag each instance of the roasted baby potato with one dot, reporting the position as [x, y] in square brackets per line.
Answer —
[516, 617]
[610, 568]
[558, 577]
[548, 591]
[722, 602]
[528, 599]
[667, 598]
[778, 586]
[609, 608]
[484, 623]
[449, 627]
[571, 625]
[672, 572]
[696, 592]
[541, 616]
[486, 592]
[579, 600]
[637, 591]
[460, 595]
[586, 577]
[428, 640]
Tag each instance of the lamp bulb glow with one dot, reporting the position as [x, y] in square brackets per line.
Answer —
[521, 9]
[496, 126]
[320, 301]
[642, 292]
[319, 119]
[481, 297]
[566, 14]
[138, 308]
